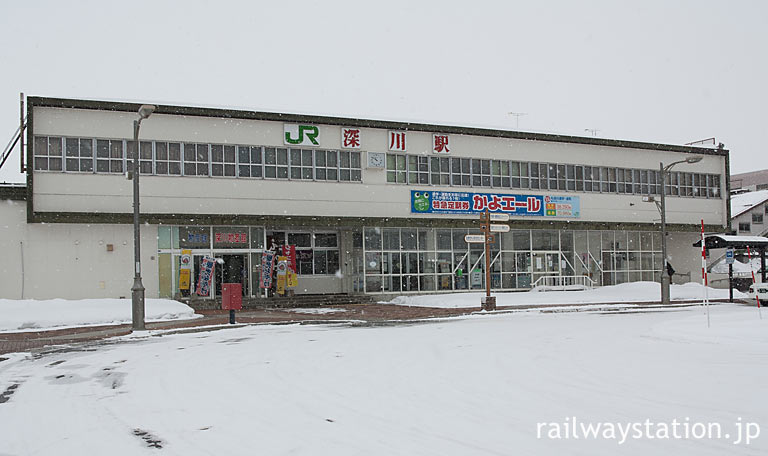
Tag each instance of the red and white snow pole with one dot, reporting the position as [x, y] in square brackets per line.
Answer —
[754, 286]
[704, 271]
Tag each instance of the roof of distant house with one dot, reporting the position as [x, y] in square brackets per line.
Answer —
[743, 202]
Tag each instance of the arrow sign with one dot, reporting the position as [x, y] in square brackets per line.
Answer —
[499, 217]
[495, 228]
[474, 238]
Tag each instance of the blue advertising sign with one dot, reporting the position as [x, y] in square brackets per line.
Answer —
[428, 202]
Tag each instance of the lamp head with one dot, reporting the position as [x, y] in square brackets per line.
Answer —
[693, 159]
[146, 110]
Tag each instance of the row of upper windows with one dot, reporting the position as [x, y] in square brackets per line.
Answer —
[165, 158]
[472, 172]
[195, 159]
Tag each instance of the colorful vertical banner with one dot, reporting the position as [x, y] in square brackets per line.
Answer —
[267, 265]
[291, 278]
[282, 270]
[207, 266]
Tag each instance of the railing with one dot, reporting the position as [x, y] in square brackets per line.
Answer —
[564, 282]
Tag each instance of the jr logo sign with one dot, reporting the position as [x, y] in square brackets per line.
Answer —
[301, 135]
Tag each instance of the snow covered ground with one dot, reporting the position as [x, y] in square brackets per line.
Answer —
[504, 384]
[627, 292]
[19, 315]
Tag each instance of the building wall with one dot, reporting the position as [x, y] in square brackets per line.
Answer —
[70, 261]
[755, 228]
[374, 197]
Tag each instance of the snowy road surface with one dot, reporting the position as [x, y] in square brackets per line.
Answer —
[472, 385]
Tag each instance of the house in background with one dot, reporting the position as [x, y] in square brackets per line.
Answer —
[749, 213]
[749, 182]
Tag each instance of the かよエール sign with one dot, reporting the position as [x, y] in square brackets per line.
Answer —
[429, 202]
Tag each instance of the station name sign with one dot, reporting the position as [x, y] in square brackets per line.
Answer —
[429, 202]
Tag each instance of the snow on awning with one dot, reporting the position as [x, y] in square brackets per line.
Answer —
[723, 241]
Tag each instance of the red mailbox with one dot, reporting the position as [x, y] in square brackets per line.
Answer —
[232, 296]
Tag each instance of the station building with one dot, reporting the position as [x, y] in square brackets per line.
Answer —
[371, 206]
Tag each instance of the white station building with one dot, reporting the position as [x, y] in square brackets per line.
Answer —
[371, 206]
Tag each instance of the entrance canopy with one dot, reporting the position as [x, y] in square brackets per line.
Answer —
[725, 241]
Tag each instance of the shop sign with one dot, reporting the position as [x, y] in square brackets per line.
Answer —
[426, 202]
[267, 263]
[197, 238]
[440, 144]
[207, 266]
[301, 135]
[231, 238]
[350, 138]
[397, 141]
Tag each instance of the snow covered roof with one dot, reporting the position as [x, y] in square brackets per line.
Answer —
[743, 202]
[721, 241]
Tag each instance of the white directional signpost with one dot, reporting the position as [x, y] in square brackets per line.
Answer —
[474, 238]
[489, 302]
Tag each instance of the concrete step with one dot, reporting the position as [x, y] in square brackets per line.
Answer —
[296, 301]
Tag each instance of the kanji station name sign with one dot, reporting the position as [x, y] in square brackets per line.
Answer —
[428, 202]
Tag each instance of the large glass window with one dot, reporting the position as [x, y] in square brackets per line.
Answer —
[301, 164]
[47, 153]
[79, 154]
[418, 169]
[222, 160]
[350, 166]
[249, 161]
[500, 173]
[326, 165]
[275, 163]
[167, 158]
[196, 159]
[109, 156]
[461, 172]
[145, 157]
[481, 173]
[396, 168]
[439, 168]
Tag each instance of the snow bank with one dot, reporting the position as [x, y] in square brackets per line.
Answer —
[627, 292]
[31, 314]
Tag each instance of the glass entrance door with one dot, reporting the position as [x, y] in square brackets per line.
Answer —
[234, 269]
[545, 264]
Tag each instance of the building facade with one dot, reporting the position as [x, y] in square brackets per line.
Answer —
[749, 212]
[370, 206]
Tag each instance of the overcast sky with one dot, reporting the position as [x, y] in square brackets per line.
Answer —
[655, 71]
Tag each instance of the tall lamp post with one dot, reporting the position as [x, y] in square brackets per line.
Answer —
[664, 170]
[137, 291]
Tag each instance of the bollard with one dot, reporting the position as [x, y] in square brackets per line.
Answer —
[231, 316]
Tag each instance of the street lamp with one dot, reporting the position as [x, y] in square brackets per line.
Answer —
[137, 291]
[664, 170]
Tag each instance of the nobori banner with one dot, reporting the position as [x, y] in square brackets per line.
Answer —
[427, 202]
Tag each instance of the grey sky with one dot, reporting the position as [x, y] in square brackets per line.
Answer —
[655, 71]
